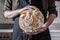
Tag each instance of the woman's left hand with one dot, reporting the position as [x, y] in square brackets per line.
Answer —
[39, 30]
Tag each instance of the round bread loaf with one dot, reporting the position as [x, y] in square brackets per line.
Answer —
[30, 20]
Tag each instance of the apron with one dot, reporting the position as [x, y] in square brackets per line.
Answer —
[18, 33]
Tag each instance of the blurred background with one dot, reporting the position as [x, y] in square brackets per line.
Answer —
[6, 25]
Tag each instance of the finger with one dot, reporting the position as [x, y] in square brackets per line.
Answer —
[39, 30]
[29, 33]
[44, 28]
[26, 8]
[33, 7]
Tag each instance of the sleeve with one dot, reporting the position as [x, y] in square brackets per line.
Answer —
[52, 7]
[7, 5]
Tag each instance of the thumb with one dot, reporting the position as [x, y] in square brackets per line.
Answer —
[44, 25]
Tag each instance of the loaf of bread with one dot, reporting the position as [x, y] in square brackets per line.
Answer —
[30, 20]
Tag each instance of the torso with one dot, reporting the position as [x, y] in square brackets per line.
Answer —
[17, 30]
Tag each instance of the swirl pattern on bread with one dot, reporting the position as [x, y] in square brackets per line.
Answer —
[30, 20]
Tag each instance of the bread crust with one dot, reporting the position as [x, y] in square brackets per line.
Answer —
[30, 20]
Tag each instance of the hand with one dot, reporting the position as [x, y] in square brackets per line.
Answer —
[42, 29]
[39, 30]
[25, 8]
[28, 8]
[32, 7]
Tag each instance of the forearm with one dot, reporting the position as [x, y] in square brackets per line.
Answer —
[50, 19]
[11, 14]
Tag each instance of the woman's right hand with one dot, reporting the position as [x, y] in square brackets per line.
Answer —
[32, 7]
[28, 8]
[23, 9]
